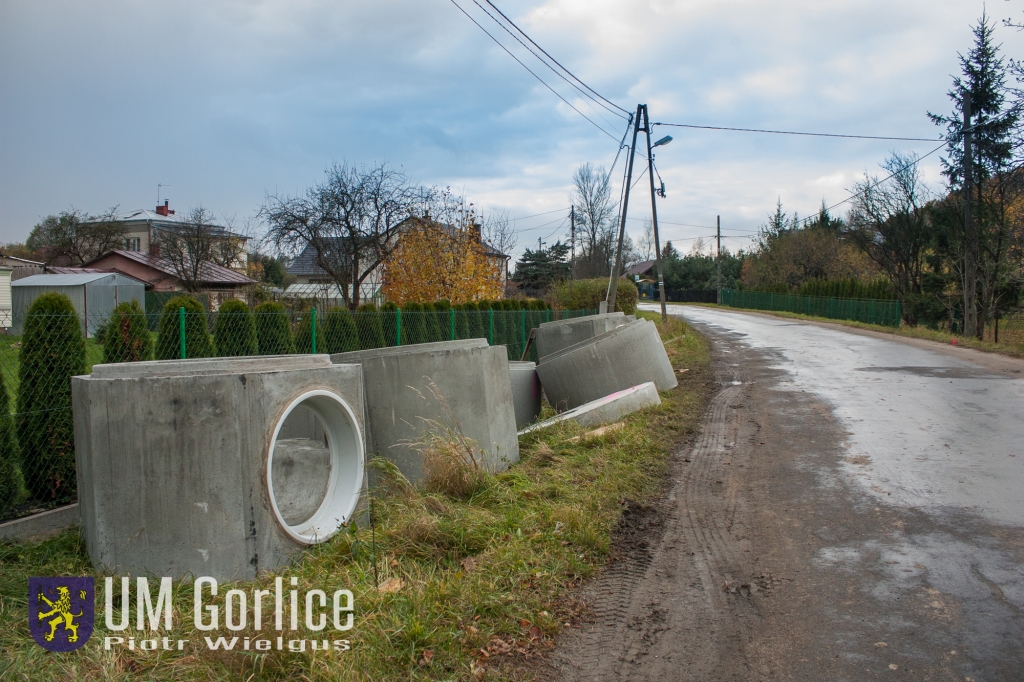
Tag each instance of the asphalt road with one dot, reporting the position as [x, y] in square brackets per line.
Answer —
[853, 509]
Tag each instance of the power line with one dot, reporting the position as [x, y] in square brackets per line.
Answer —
[543, 82]
[588, 98]
[524, 217]
[571, 74]
[794, 132]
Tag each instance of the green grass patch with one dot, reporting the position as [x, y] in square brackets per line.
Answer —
[492, 571]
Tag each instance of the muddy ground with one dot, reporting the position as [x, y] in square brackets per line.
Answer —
[763, 561]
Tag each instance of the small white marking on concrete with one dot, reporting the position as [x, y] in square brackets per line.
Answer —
[205, 506]
[205, 553]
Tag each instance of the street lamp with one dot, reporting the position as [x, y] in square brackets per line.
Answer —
[664, 140]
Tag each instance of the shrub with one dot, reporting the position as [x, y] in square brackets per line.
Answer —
[52, 351]
[370, 327]
[413, 324]
[12, 485]
[462, 326]
[484, 318]
[126, 335]
[304, 332]
[588, 293]
[389, 319]
[339, 332]
[198, 343]
[443, 318]
[273, 329]
[235, 331]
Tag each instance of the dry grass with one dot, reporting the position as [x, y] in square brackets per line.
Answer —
[464, 576]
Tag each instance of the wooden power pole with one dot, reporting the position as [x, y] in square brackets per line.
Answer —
[970, 236]
[718, 257]
[617, 267]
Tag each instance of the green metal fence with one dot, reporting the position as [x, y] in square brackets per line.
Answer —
[37, 459]
[861, 310]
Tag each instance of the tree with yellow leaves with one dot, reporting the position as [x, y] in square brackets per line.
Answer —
[435, 261]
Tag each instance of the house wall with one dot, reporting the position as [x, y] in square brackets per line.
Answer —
[159, 280]
[5, 297]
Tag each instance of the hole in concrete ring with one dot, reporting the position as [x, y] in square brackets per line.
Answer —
[315, 466]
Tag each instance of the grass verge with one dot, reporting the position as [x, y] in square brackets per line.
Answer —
[463, 581]
[919, 332]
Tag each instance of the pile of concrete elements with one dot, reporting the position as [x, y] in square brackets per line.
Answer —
[226, 467]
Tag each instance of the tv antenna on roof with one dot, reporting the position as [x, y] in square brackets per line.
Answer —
[158, 186]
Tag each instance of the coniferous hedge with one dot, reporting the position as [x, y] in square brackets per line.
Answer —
[235, 330]
[431, 323]
[126, 336]
[52, 351]
[443, 315]
[484, 308]
[273, 329]
[198, 343]
[413, 324]
[339, 332]
[389, 319]
[462, 326]
[12, 484]
[370, 327]
[304, 332]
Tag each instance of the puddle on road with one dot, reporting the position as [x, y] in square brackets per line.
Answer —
[940, 372]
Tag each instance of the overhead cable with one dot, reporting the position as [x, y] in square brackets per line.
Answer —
[543, 82]
[794, 132]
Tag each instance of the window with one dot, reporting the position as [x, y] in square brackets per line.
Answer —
[133, 244]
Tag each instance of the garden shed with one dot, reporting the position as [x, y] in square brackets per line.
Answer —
[94, 295]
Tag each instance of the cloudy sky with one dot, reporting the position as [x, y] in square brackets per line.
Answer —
[224, 101]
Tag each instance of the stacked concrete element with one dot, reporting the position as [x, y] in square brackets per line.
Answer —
[526, 392]
[607, 409]
[552, 337]
[615, 360]
[216, 468]
[471, 377]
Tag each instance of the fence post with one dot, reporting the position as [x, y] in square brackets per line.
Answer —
[873, 312]
[547, 314]
[181, 333]
[312, 323]
[452, 311]
[490, 337]
[522, 328]
[398, 327]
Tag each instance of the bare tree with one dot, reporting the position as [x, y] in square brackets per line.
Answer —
[591, 197]
[75, 238]
[889, 222]
[645, 245]
[350, 221]
[194, 243]
[498, 232]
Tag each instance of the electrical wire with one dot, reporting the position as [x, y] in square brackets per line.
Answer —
[794, 132]
[587, 97]
[543, 82]
[571, 74]
[524, 217]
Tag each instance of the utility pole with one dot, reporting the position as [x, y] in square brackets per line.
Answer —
[540, 246]
[654, 211]
[970, 238]
[718, 256]
[617, 267]
[572, 242]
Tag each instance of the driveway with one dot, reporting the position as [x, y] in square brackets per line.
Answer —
[853, 509]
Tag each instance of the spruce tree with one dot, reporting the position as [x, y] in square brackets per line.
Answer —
[235, 330]
[198, 343]
[126, 337]
[12, 484]
[273, 329]
[339, 332]
[52, 351]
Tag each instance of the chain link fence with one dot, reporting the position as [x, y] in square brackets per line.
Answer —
[885, 313]
[37, 454]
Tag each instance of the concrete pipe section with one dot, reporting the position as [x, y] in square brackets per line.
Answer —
[315, 466]
[220, 467]
[475, 387]
[552, 337]
[526, 392]
[626, 356]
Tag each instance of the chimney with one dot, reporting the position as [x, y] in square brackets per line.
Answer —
[475, 231]
[164, 210]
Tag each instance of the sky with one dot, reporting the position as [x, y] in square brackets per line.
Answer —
[225, 101]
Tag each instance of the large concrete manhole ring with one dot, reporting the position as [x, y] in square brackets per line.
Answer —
[315, 466]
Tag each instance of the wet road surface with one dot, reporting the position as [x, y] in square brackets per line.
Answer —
[853, 509]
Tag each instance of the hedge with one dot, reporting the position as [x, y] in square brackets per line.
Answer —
[198, 343]
[126, 337]
[235, 331]
[273, 329]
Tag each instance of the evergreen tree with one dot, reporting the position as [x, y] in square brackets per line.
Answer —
[432, 323]
[538, 270]
[126, 337]
[370, 326]
[273, 329]
[12, 484]
[198, 343]
[389, 320]
[462, 326]
[413, 324]
[235, 330]
[304, 331]
[340, 334]
[52, 351]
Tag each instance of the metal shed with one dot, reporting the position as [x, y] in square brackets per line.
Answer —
[93, 294]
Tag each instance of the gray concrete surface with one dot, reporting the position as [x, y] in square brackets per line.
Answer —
[220, 473]
[526, 392]
[159, 368]
[39, 525]
[607, 409]
[626, 356]
[851, 510]
[552, 337]
[473, 380]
